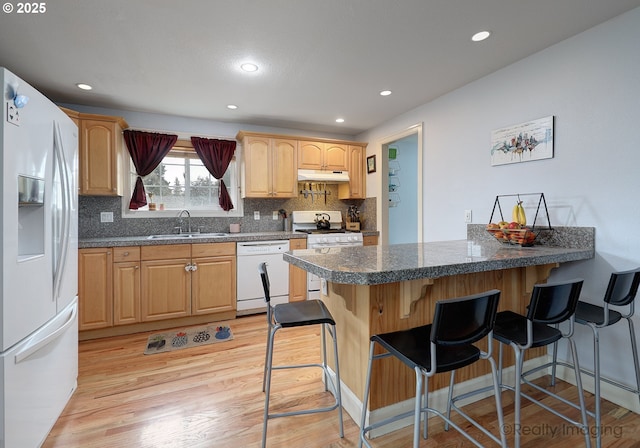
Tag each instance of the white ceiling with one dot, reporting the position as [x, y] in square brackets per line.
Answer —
[319, 59]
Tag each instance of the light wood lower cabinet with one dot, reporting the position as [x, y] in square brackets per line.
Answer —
[95, 274]
[126, 285]
[297, 276]
[144, 285]
[165, 281]
[370, 240]
[213, 281]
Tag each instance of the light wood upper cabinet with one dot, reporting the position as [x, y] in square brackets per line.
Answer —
[95, 296]
[102, 154]
[269, 167]
[323, 156]
[356, 188]
[297, 276]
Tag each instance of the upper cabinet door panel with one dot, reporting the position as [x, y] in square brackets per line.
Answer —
[336, 157]
[310, 155]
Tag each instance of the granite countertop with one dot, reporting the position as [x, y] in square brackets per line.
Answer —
[144, 240]
[372, 265]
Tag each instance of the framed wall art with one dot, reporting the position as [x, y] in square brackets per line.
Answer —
[523, 142]
[371, 164]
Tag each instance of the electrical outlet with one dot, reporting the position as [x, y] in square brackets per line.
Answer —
[106, 216]
[13, 113]
[275, 215]
[467, 216]
[256, 215]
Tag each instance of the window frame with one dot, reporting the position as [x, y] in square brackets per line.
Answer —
[184, 144]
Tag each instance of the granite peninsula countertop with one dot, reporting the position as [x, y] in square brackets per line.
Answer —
[372, 265]
[144, 240]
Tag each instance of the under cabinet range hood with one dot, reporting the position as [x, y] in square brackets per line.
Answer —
[328, 177]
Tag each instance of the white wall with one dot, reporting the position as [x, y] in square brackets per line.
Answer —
[591, 84]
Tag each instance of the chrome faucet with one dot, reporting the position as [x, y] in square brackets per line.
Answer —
[188, 220]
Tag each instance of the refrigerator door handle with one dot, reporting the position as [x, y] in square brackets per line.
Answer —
[65, 187]
[31, 349]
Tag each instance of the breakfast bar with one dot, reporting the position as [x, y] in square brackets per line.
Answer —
[378, 289]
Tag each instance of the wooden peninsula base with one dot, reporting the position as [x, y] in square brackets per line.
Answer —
[378, 289]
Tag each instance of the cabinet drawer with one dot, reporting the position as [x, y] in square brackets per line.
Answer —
[165, 252]
[122, 254]
[212, 249]
[297, 243]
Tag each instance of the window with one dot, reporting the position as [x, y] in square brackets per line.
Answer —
[180, 182]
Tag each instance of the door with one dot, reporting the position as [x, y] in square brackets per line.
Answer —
[39, 376]
[401, 185]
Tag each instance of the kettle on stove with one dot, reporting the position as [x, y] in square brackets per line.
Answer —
[322, 221]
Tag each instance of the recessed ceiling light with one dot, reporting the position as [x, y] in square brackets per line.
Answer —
[482, 35]
[339, 120]
[385, 93]
[249, 67]
[83, 86]
[232, 106]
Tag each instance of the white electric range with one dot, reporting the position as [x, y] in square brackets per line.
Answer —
[334, 236]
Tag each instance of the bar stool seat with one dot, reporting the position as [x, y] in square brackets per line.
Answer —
[444, 346]
[298, 314]
[621, 292]
[550, 305]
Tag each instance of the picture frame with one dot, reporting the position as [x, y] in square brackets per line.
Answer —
[371, 164]
[523, 142]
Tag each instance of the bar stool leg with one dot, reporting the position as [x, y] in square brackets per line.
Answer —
[583, 408]
[365, 399]
[634, 349]
[449, 399]
[596, 385]
[517, 397]
[324, 355]
[338, 386]
[267, 385]
[417, 411]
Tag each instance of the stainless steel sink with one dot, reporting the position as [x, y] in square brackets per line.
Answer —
[174, 236]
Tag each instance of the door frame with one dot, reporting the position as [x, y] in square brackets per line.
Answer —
[383, 198]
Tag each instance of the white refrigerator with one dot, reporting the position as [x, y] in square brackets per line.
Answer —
[38, 275]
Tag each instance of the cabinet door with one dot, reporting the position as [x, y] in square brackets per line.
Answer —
[257, 167]
[165, 289]
[336, 157]
[126, 293]
[213, 285]
[370, 240]
[284, 159]
[297, 276]
[310, 155]
[99, 157]
[95, 288]
[355, 188]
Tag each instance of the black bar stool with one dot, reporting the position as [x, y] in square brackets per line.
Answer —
[298, 314]
[551, 304]
[621, 291]
[445, 345]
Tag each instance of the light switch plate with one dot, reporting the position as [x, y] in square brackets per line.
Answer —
[256, 215]
[106, 216]
[275, 215]
[467, 216]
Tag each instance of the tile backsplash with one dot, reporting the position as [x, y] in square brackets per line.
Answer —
[90, 207]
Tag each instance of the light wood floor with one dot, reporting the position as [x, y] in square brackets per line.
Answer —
[211, 397]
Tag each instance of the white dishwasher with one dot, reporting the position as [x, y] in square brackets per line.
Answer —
[250, 293]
